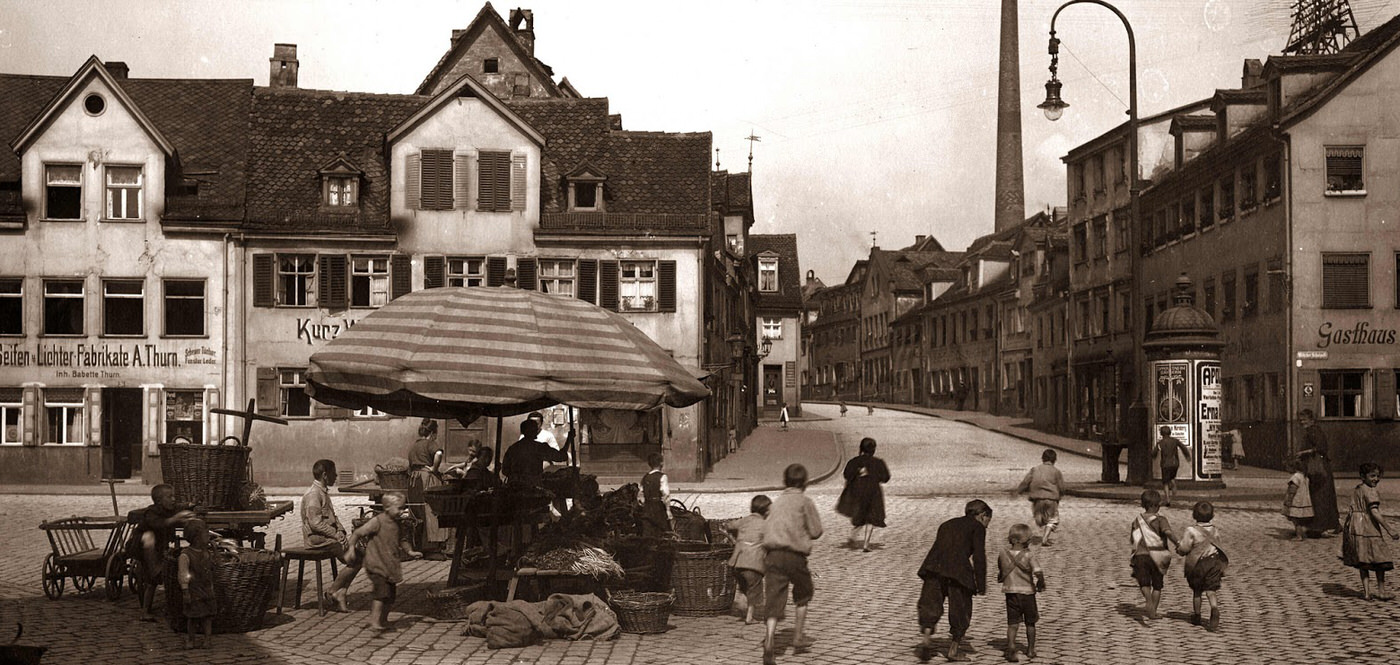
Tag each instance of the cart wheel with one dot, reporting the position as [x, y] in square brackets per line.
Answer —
[53, 578]
[84, 583]
[116, 569]
[133, 576]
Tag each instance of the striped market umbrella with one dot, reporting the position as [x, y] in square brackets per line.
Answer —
[463, 353]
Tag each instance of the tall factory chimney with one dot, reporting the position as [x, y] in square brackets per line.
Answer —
[1010, 188]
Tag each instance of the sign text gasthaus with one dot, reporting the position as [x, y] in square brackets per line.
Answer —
[1361, 333]
[97, 356]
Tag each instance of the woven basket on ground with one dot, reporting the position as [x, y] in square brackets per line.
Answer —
[701, 576]
[245, 587]
[646, 562]
[642, 612]
[451, 603]
[208, 476]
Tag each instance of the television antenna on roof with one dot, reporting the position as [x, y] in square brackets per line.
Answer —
[1320, 27]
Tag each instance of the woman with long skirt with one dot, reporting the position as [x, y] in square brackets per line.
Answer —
[862, 500]
[1317, 466]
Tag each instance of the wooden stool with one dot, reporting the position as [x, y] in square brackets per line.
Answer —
[301, 556]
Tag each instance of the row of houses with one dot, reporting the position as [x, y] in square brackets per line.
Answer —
[171, 246]
[1276, 198]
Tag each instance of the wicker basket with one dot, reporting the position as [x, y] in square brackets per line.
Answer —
[642, 612]
[689, 524]
[244, 587]
[701, 576]
[208, 476]
[646, 562]
[450, 604]
[392, 480]
[718, 535]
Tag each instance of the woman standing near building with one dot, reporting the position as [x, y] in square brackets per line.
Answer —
[1317, 466]
[424, 460]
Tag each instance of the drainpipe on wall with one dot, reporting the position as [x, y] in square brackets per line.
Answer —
[1286, 163]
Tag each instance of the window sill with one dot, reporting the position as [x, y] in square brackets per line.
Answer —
[1226, 220]
[114, 220]
[62, 335]
[1344, 194]
[21, 335]
[1245, 212]
[341, 210]
[1272, 201]
[51, 444]
[54, 219]
[1353, 307]
[191, 336]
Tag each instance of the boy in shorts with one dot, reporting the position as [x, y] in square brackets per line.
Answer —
[792, 525]
[1021, 577]
[151, 540]
[381, 536]
[1044, 484]
[1149, 535]
[1170, 451]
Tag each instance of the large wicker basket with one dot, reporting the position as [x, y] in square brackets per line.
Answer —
[642, 612]
[392, 480]
[689, 523]
[701, 576]
[244, 587]
[451, 603]
[208, 476]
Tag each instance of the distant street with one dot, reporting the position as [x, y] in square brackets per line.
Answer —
[1282, 601]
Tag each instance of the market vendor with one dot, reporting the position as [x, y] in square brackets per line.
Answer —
[424, 461]
[524, 461]
[478, 475]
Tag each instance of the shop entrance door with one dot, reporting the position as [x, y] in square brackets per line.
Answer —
[772, 387]
[121, 432]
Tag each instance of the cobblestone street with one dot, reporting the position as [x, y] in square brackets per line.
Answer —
[1282, 602]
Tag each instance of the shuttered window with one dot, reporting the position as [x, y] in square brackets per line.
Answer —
[462, 180]
[332, 292]
[525, 273]
[517, 182]
[493, 190]
[607, 285]
[1345, 168]
[413, 182]
[666, 286]
[434, 271]
[588, 280]
[495, 270]
[264, 277]
[437, 181]
[401, 268]
[1346, 281]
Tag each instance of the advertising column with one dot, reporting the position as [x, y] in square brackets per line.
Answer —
[1206, 457]
[1171, 380]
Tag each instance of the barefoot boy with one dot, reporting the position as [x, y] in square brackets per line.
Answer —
[1044, 484]
[1149, 535]
[955, 568]
[381, 536]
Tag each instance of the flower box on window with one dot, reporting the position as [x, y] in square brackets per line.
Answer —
[637, 303]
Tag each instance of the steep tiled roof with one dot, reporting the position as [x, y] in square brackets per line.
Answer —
[295, 132]
[731, 193]
[647, 172]
[488, 19]
[789, 294]
[205, 120]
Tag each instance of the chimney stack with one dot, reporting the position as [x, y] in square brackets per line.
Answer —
[1010, 204]
[919, 240]
[283, 72]
[1253, 75]
[117, 69]
[525, 35]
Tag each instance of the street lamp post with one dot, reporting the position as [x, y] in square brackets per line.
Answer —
[1054, 107]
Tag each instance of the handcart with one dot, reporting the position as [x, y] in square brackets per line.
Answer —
[76, 554]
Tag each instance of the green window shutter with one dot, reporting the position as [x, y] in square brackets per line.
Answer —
[666, 286]
[331, 281]
[461, 180]
[400, 274]
[493, 181]
[588, 280]
[264, 280]
[92, 399]
[495, 270]
[434, 272]
[525, 274]
[517, 182]
[269, 398]
[607, 284]
[413, 182]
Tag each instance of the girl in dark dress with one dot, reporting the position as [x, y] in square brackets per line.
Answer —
[1317, 466]
[862, 500]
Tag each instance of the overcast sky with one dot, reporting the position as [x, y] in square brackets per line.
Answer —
[874, 115]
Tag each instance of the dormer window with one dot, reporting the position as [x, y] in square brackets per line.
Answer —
[768, 274]
[490, 66]
[340, 185]
[586, 188]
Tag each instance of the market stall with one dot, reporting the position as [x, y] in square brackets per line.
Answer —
[465, 353]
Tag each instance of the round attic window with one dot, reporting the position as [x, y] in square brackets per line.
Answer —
[94, 104]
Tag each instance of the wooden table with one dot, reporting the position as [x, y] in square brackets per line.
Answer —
[239, 524]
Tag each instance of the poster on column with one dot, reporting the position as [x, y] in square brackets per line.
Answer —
[1207, 454]
[1170, 398]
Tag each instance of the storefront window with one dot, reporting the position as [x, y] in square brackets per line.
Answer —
[295, 401]
[63, 409]
[1343, 393]
[11, 409]
[184, 416]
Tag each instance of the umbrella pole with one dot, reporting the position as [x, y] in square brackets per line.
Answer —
[573, 439]
[498, 447]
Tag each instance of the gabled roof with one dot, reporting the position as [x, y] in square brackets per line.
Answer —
[1364, 51]
[783, 246]
[91, 69]
[488, 19]
[654, 173]
[1116, 134]
[295, 132]
[1192, 123]
[204, 121]
[466, 86]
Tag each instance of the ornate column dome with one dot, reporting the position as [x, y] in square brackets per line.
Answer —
[1184, 326]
